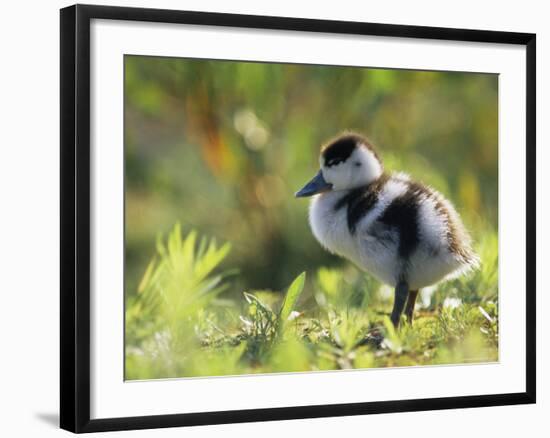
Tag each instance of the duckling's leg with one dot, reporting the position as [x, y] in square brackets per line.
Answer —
[401, 293]
[409, 307]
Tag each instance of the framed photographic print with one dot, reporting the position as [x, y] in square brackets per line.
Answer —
[270, 218]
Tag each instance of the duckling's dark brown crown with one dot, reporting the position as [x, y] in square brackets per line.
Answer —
[340, 148]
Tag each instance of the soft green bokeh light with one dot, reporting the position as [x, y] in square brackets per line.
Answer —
[222, 146]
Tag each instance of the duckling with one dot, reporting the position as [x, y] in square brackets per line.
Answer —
[404, 233]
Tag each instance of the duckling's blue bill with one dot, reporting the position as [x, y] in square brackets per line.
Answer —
[316, 185]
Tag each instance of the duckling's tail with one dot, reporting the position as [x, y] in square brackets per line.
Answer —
[467, 261]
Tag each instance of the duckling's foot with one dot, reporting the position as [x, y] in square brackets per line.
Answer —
[373, 338]
[401, 293]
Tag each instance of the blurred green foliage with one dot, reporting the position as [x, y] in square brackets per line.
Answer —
[180, 327]
[222, 146]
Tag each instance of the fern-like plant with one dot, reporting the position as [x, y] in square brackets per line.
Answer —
[178, 283]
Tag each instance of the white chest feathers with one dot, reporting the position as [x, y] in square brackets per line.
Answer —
[368, 246]
[330, 226]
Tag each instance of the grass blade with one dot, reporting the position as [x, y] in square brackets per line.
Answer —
[291, 297]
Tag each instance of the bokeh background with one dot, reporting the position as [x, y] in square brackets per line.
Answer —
[222, 146]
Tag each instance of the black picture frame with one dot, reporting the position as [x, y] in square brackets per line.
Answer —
[75, 217]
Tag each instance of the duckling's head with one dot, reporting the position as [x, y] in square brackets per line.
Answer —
[347, 162]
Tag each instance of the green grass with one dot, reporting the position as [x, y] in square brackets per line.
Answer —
[181, 324]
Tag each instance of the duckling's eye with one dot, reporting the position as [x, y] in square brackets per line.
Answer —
[357, 164]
